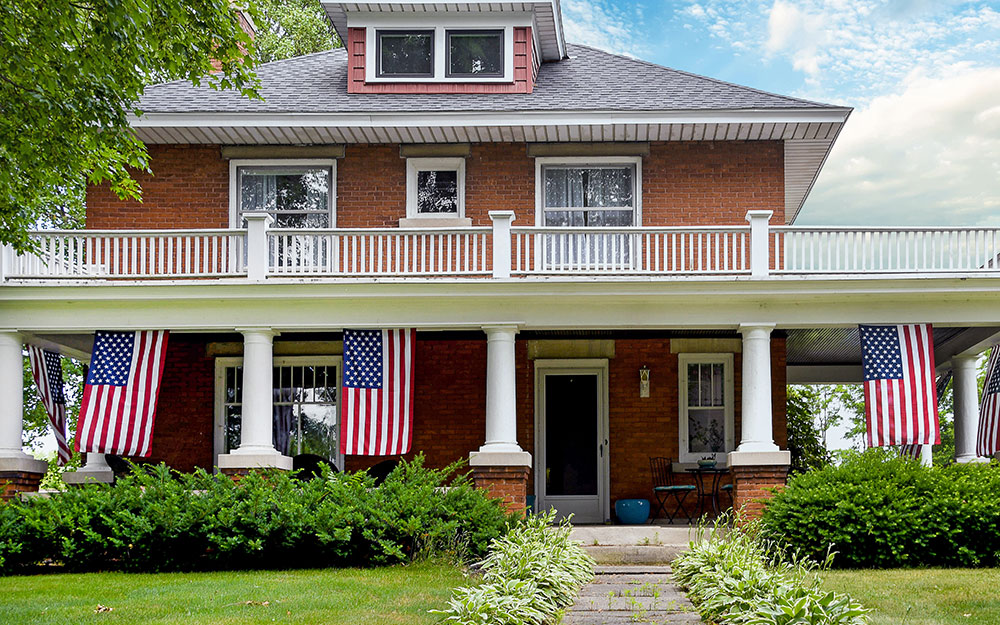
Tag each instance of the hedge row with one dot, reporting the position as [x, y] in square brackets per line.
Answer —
[880, 511]
[164, 521]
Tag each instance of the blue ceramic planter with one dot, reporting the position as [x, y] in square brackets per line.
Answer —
[632, 511]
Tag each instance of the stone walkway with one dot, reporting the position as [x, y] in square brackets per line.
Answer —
[631, 595]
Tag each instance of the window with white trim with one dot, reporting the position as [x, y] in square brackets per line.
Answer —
[306, 419]
[706, 406]
[404, 53]
[435, 187]
[589, 194]
[296, 193]
[474, 53]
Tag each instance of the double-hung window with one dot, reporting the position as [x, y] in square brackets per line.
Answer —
[305, 410]
[706, 406]
[589, 193]
[297, 194]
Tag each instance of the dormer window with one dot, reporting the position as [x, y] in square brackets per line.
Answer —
[475, 53]
[405, 53]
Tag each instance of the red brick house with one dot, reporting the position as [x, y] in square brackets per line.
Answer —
[599, 256]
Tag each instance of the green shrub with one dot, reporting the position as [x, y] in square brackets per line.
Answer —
[736, 577]
[159, 520]
[531, 574]
[877, 510]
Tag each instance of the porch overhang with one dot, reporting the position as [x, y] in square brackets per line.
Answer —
[808, 134]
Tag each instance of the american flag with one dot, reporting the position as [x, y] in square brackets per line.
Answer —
[46, 368]
[377, 413]
[900, 395]
[988, 439]
[119, 399]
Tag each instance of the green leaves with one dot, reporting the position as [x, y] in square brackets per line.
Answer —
[530, 575]
[292, 28]
[70, 78]
[881, 511]
[738, 577]
[157, 520]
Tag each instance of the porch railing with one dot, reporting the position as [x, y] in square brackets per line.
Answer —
[123, 254]
[756, 250]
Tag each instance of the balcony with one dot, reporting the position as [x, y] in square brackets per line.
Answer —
[754, 250]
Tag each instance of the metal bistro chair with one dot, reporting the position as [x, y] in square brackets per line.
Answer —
[664, 488]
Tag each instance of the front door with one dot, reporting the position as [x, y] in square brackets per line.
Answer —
[572, 439]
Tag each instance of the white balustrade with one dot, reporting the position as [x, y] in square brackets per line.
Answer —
[100, 254]
[383, 252]
[803, 250]
[634, 250]
[758, 250]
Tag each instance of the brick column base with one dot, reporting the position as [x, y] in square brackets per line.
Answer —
[509, 484]
[236, 473]
[752, 484]
[13, 483]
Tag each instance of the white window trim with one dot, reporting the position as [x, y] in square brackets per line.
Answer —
[683, 360]
[234, 186]
[585, 161]
[414, 165]
[439, 24]
[222, 362]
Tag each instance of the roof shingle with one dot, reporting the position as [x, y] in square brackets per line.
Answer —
[589, 80]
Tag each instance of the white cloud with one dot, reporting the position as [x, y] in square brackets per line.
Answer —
[865, 45]
[602, 24]
[928, 154]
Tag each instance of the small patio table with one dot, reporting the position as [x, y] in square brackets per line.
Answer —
[707, 481]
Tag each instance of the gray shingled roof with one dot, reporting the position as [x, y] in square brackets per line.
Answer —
[589, 80]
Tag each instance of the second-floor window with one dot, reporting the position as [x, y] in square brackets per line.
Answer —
[435, 187]
[595, 193]
[296, 195]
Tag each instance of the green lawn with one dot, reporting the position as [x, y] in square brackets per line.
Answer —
[364, 597]
[923, 596]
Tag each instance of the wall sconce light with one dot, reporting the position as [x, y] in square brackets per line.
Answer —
[644, 381]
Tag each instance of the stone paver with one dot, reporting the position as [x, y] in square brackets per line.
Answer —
[634, 595]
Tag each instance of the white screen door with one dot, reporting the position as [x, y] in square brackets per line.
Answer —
[571, 446]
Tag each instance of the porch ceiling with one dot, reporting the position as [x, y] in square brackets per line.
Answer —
[833, 355]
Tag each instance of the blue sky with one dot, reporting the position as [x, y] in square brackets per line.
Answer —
[923, 144]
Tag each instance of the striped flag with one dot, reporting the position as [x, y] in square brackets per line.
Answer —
[46, 368]
[900, 394]
[377, 402]
[119, 398]
[988, 439]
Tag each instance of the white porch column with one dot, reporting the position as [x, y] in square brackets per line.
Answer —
[12, 456]
[966, 394]
[256, 448]
[501, 446]
[756, 397]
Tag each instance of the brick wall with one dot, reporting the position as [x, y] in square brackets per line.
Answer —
[189, 188]
[449, 402]
[183, 435]
[684, 183]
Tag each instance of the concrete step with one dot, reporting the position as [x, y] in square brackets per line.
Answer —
[634, 554]
[599, 617]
